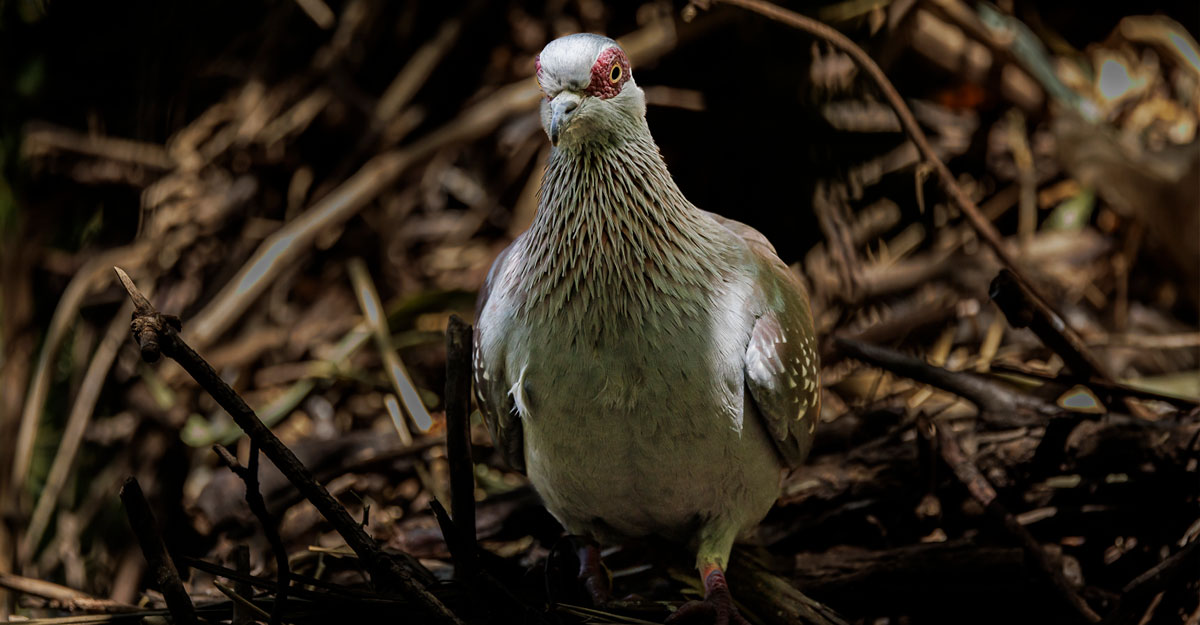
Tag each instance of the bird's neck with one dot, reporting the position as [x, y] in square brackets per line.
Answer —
[614, 238]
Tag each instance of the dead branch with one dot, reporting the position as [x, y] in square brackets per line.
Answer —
[67, 598]
[166, 576]
[72, 436]
[1154, 580]
[156, 332]
[1024, 310]
[289, 243]
[997, 403]
[91, 276]
[982, 491]
[975, 217]
[270, 525]
[830, 203]
[241, 558]
[397, 373]
[458, 441]
[774, 598]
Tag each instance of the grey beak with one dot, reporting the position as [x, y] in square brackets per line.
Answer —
[562, 109]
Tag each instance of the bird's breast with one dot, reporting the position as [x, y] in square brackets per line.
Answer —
[640, 427]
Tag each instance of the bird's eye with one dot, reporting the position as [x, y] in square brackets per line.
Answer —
[614, 74]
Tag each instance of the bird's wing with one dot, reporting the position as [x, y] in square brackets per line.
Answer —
[781, 361]
[495, 402]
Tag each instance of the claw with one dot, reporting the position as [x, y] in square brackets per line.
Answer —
[716, 608]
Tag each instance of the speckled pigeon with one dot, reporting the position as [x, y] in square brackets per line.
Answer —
[652, 367]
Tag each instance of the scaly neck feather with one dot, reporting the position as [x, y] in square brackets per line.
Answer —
[615, 239]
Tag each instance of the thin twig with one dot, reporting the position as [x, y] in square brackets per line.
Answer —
[833, 215]
[318, 12]
[1155, 579]
[416, 72]
[986, 230]
[283, 248]
[327, 590]
[768, 594]
[166, 576]
[458, 441]
[92, 275]
[995, 401]
[67, 598]
[983, 492]
[270, 525]
[242, 601]
[1023, 309]
[376, 318]
[500, 599]
[46, 139]
[149, 325]
[72, 435]
[241, 559]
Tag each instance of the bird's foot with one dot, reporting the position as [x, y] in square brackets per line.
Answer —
[715, 609]
[594, 576]
[575, 554]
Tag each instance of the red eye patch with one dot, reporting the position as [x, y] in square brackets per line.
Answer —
[609, 74]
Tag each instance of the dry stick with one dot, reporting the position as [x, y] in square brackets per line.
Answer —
[1021, 308]
[454, 541]
[166, 576]
[92, 275]
[1155, 579]
[1103, 389]
[318, 12]
[72, 436]
[326, 589]
[485, 580]
[284, 247]
[775, 598]
[978, 221]
[399, 93]
[416, 72]
[156, 332]
[239, 599]
[830, 205]
[48, 139]
[995, 401]
[376, 318]
[270, 525]
[982, 491]
[458, 442]
[68, 598]
[241, 559]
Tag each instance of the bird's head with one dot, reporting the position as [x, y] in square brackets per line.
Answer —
[590, 92]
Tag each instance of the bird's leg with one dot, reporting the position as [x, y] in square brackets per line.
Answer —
[717, 606]
[594, 576]
[582, 556]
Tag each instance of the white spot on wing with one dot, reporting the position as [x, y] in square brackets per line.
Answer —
[517, 392]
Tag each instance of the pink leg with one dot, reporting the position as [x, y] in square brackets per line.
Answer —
[593, 575]
[575, 574]
[717, 606]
